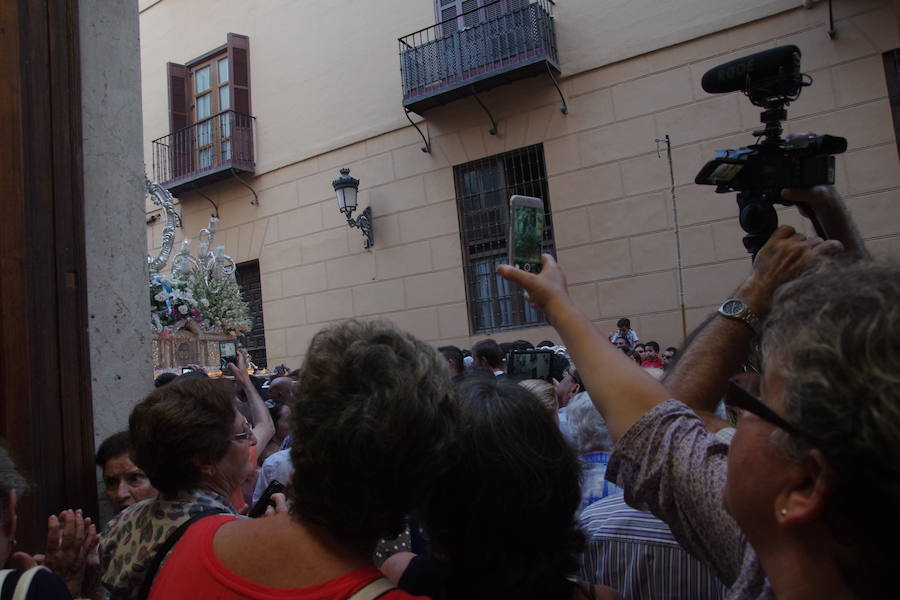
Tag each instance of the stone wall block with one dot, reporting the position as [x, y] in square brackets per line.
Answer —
[280, 255]
[711, 284]
[377, 298]
[654, 252]
[701, 120]
[278, 199]
[453, 321]
[652, 93]
[446, 252]
[585, 298]
[302, 221]
[585, 186]
[439, 186]
[637, 295]
[350, 270]
[271, 286]
[645, 174]
[617, 141]
[432, 289]
[561, 155]
[571, 227]
[859, 81]
[596, 262]
[431, 221]
[397, 196]
[304, 280]
[400, 261]
[329, 306]
[286, 312]
[622, 218]
[326, 245]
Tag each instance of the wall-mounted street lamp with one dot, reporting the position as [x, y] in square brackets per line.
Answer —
[345, 187]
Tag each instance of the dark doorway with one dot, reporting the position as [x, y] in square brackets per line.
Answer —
[254, 341]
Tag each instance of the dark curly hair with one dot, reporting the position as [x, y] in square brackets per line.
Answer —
[371, 418]
[187, 420]
[112, 447]
[503, 519]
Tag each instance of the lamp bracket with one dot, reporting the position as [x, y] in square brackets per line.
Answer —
[364, 222]
[493, 129]
[427, 146]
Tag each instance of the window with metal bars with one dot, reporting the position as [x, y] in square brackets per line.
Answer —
[483, 190]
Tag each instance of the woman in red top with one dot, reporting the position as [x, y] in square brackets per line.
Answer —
[372, 417]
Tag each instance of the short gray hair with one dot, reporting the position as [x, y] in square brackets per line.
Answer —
[10, 480]
[834, 335]
[587, 428]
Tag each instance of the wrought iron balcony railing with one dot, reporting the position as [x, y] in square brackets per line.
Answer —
[205, 152]
[445, 61]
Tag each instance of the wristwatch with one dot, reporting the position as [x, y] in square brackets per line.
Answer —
[738, 310]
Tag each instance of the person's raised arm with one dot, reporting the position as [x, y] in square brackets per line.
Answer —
[263, 427]
[718, 348]
[832, 213]
[619, 388]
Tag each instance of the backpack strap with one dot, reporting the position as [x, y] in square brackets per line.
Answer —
[24, 583]
[3, 574]
[374, 590]
[166, 546]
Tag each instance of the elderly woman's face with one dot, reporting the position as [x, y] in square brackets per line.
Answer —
[757, 467]
[235, 467]
[125, 483]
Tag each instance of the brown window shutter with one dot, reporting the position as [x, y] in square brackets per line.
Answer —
[239, 62]
[242, 130]
[181, 143]
[179, 96]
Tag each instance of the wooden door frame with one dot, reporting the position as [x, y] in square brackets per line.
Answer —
[45, 402]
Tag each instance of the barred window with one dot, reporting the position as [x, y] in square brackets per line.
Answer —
[483, 190]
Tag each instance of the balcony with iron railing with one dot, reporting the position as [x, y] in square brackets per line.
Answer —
[443, 62]
[205, 152]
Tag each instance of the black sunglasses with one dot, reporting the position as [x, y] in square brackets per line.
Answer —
[740, 397]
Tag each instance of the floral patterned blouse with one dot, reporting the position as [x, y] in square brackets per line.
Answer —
[130, 541]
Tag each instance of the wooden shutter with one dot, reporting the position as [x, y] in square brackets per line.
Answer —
[181, 140]
[179, 96]
[239, 63]
[241, 126]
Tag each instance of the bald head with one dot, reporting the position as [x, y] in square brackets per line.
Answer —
[280, 389]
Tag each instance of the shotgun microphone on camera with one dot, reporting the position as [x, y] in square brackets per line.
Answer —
[780, 64]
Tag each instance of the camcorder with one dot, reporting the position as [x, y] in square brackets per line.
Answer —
[770, 79]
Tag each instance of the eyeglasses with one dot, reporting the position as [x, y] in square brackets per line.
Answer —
[739, 397]
[245, 434]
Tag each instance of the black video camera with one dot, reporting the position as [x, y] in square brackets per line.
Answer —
[770, 79]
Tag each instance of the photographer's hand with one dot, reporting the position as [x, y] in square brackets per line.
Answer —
[716, 350]
[785, 256]
[619, 388]
[832, 213]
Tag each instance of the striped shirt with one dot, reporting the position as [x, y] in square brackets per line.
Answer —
[635, 553]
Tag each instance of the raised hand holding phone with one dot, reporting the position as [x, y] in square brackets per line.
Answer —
[526, 232]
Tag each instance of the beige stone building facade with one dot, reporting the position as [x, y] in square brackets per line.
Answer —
[325, 92]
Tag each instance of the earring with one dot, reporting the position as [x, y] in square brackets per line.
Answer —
[784, 512]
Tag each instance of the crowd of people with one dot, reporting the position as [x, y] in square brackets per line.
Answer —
[760, 461]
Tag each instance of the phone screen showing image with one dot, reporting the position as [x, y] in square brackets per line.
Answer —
[526, 233]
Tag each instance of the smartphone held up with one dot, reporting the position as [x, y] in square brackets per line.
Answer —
[526, 232]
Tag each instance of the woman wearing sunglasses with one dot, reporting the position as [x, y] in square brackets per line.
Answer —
[194, 445]
[803, 503]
